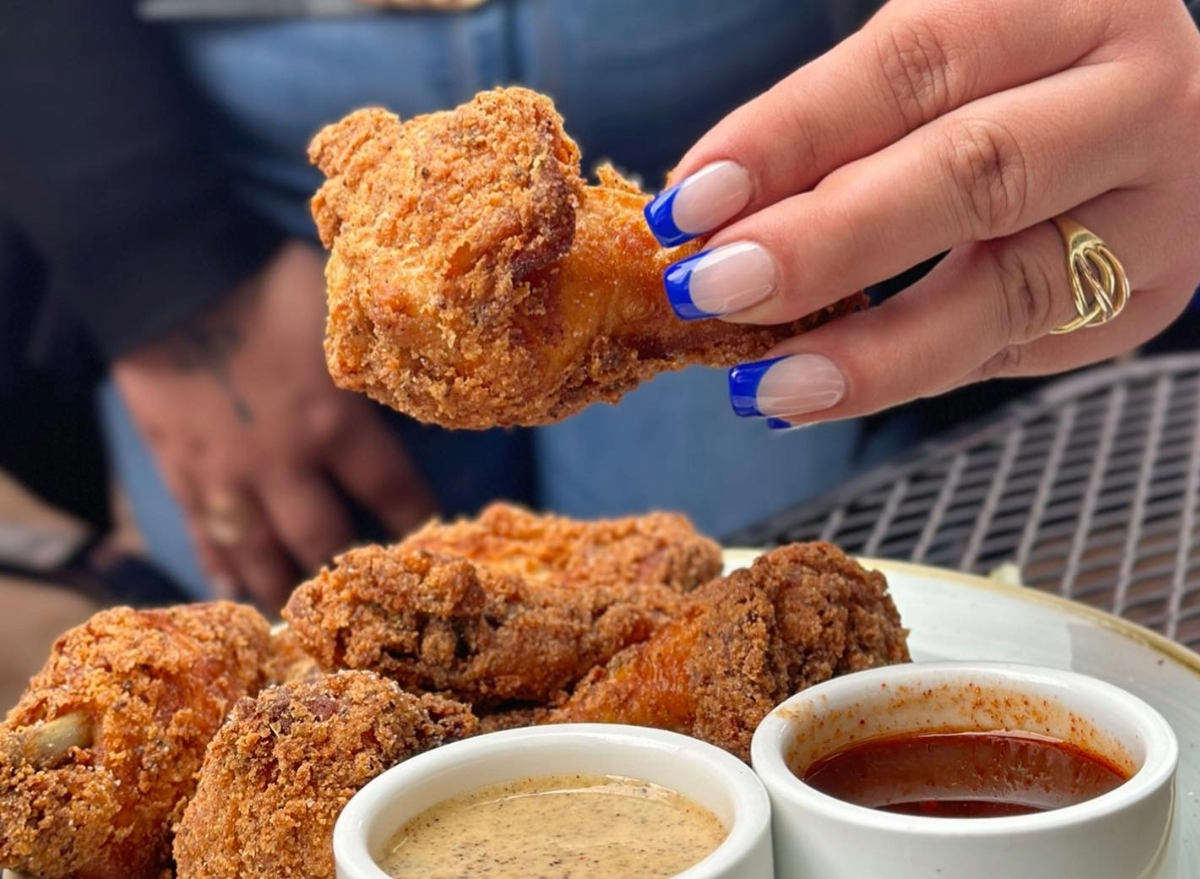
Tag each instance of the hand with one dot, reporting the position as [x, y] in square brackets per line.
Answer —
[959, 125]
[251, 434]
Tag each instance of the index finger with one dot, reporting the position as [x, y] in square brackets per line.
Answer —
[914, 62]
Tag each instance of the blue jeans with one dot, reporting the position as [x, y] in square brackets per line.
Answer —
[637, 82]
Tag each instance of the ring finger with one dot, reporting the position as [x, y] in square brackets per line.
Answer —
[237, 524]
[980, 306]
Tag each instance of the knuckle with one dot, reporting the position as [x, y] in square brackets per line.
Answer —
[1026, 301]
[805, 139]
[1005, 362]
[918, 71]
[990, 176]
[782, 107]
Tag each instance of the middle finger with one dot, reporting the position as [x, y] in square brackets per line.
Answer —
[309, 517]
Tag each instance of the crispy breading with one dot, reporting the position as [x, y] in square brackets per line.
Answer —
[442, 624]
[145, 691]
[475, 280]
[288, 662]
[512, 716]
[799, 615]
[555, 550]
[279, 773]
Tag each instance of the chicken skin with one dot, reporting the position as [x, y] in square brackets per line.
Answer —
[799, 615]
[279, 773]
[554, 550]
[475, 280]
[104, 745]
[441, 624]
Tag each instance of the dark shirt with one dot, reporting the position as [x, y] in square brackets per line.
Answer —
[103, 175]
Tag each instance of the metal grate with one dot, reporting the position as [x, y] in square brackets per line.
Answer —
[1091, 486]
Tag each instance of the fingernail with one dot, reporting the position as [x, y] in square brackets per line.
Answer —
[698, 204]
[780, 424]
[794, 385]
[720, 281]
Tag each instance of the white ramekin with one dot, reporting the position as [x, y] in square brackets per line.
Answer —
[1118, 835]
[706, 775]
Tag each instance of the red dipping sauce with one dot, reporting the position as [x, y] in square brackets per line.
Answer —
[964, 775]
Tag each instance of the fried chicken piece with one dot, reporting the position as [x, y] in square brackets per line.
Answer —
[441, 624]
[799, 615]
[512, 716]
[554, 550]
[475, 280]
[287, 662]
[104, 744]
[279, 773]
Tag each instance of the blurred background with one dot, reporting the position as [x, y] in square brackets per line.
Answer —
[167, 429]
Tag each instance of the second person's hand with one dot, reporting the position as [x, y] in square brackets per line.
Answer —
[252, 437]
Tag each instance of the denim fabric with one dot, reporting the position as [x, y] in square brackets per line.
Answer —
[637, 82]
[675, 444]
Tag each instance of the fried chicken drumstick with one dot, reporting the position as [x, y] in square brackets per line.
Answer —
[279, 773]
[475, 280]
[554, 550]
[799, 615]
[105, 742]
[432, 622]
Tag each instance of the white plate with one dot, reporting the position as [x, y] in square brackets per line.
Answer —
[958, 616]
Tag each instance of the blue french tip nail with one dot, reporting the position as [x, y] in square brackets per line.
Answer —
[743, 386]
[661, 220]
[678, 281]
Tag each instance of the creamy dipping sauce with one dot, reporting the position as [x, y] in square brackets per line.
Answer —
[578, 826]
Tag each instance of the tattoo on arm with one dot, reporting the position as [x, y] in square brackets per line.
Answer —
[208, 346]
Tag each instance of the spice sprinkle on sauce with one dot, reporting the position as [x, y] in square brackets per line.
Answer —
[556, 827]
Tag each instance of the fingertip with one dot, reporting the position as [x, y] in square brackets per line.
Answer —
[786, 387]
[744, 380]
[700, 203]
[660, 218]
[677, 281]
[723, 280]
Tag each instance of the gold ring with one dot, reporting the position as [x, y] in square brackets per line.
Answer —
[1099, 284]
[228, 519]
